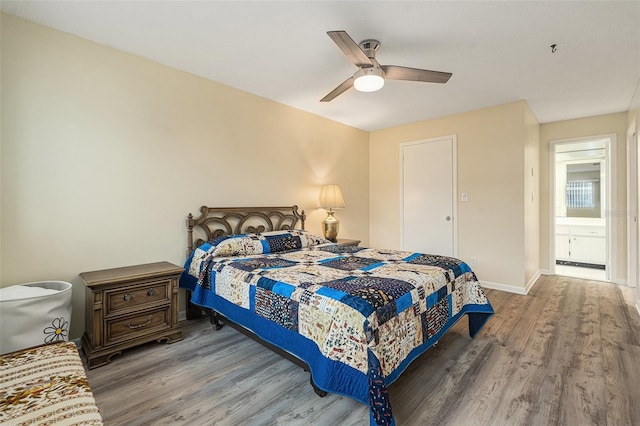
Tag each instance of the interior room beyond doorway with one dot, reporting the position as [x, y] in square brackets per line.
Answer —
[581, 200]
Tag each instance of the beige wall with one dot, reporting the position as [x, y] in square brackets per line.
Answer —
[104, 154]
[491, 170]
[584, 127]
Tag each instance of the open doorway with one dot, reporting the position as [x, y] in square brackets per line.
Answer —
[581, 202]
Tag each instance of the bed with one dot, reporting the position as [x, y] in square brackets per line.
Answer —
[354, 317]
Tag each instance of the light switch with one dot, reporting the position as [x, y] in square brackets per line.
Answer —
[464, 197]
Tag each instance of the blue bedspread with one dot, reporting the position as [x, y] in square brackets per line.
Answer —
[356, 316]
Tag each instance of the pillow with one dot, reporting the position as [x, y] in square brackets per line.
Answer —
[236, 245]
[267, 242]
[248, 244]
[206, 251]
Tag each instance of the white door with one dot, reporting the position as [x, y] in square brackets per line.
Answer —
[428, 196]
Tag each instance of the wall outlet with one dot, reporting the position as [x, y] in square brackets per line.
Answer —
[473, 261]
[464, 197]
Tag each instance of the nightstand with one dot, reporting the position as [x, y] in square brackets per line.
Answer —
[129, 306]
[347, 242]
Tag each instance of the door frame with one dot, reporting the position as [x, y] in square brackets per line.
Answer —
[611, 226]
[633, 248]
[454, 186]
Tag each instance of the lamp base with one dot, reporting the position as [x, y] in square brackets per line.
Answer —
[330, 227]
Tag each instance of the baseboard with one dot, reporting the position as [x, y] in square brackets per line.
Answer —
[512, 288]
[545, 272]
[532, 282]
[504, 287]
[620, 281]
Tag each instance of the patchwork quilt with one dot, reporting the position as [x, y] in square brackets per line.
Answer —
[357, 316]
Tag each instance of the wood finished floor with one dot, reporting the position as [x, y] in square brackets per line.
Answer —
[566, 354]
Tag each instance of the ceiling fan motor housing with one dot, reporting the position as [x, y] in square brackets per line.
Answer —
[370, 46]
[369, 78]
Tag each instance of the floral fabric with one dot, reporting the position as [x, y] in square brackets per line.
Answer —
[46, 385]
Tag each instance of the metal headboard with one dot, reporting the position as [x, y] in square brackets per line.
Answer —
[215, 222]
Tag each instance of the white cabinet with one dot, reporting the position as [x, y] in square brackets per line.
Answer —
[581, 243]
[588, 244]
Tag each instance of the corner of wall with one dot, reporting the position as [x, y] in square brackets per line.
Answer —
[633, 116]
[532, 196]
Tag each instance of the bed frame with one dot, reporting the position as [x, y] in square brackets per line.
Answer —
[215, 222]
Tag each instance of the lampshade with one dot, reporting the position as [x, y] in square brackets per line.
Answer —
[368, 79]
[331, 197]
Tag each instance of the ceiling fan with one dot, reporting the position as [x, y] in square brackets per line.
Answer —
[371, 75]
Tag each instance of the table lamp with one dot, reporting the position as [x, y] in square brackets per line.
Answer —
[331, 198]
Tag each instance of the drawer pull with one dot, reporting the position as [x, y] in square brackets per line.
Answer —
[151, 292]
[134, 327]
[127, 297]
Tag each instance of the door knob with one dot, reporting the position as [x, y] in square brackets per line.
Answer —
[448, 217]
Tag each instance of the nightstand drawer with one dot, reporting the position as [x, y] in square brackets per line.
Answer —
[137, 325]
[135, 296]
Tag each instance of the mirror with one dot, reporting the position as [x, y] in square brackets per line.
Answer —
[583, 190]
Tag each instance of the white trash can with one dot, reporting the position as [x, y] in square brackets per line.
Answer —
[33, 314]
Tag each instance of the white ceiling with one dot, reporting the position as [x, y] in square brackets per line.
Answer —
[498, 52]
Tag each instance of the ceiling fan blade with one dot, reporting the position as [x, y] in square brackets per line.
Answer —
[394, 72]
[350, 48]
[343, 87]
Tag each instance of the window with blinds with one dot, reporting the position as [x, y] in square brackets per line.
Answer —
[580, 195]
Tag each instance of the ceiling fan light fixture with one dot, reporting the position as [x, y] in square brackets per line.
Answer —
[371, 75]
[368, 79]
